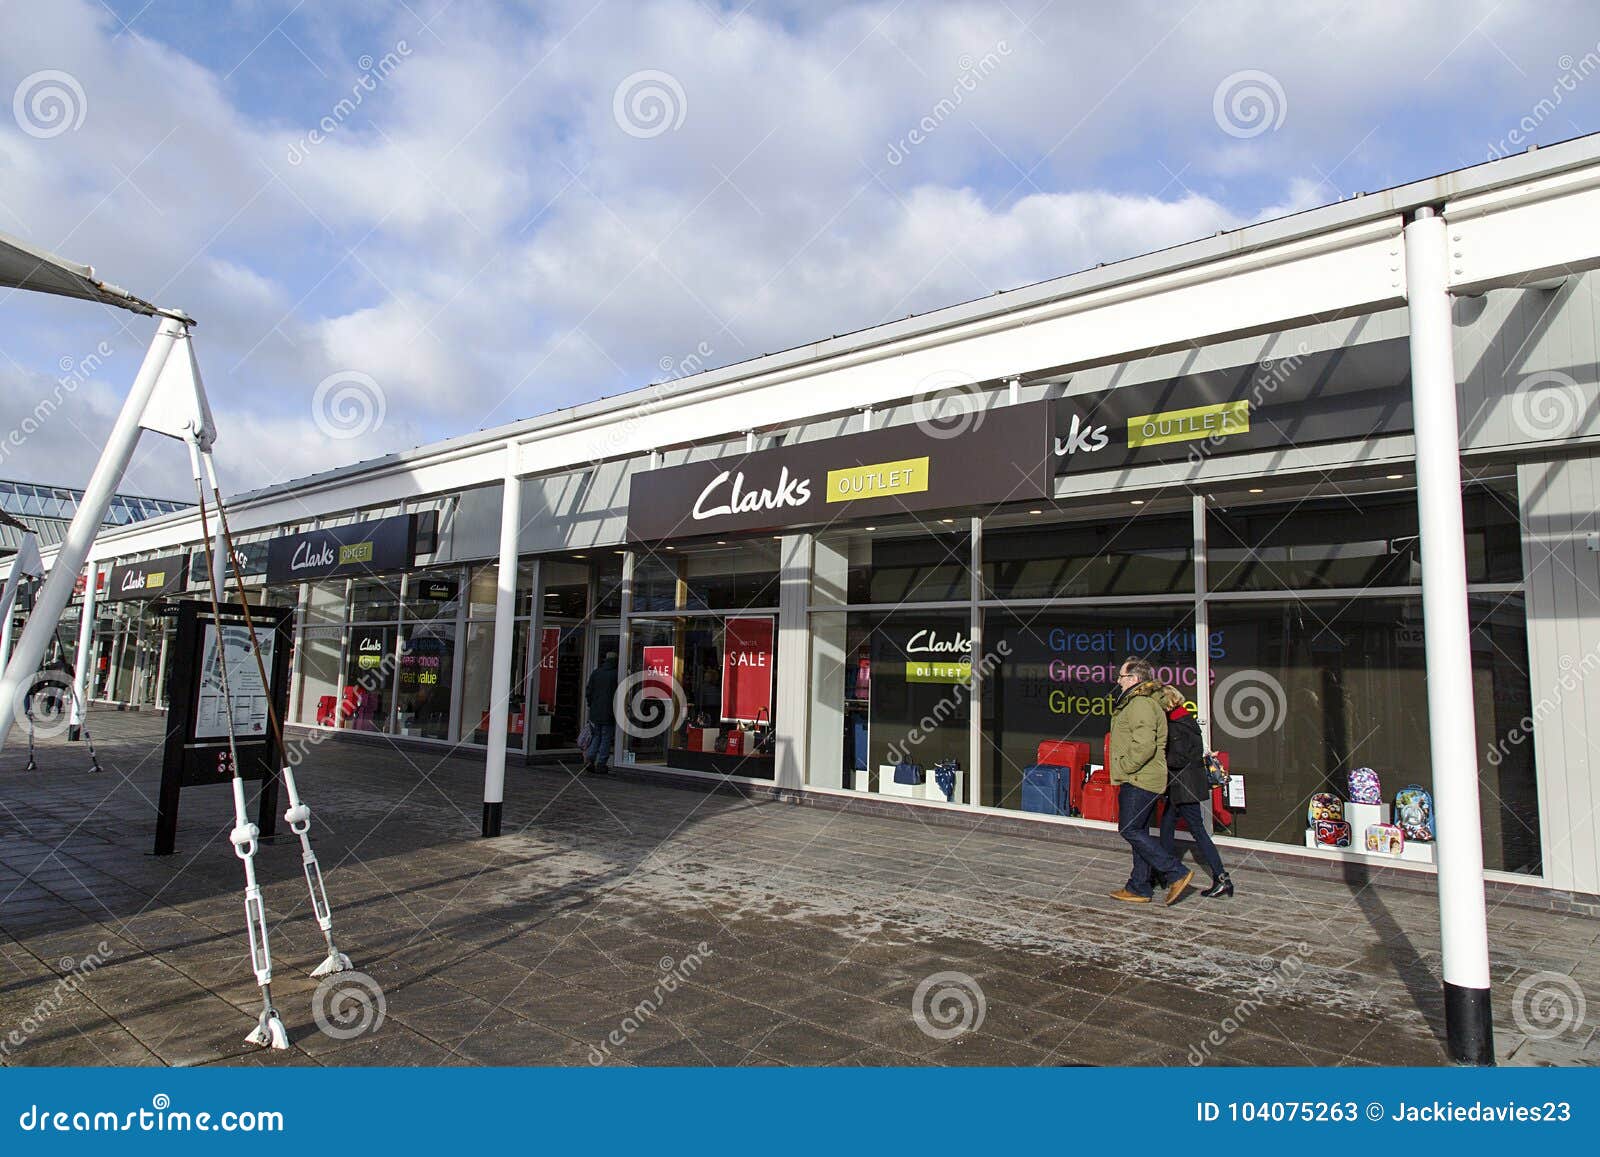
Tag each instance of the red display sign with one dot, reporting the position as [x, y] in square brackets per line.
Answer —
[747, 669]
[658, 668]
[549, 643]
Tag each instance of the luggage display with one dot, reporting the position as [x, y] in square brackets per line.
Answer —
[1073, 753]
[1364, 786]
[1324, 806]
[1413, 812]
[1333, 833]
[1099, 801]
[1385, 839]
[1045, 789]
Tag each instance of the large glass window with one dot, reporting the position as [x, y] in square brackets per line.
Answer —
[1144, 555]
[426, 675]
[743, 574]
[1306, 690]
[889, 688]
[1053, 677]
[368, 667]
[892, 565]
[318, 665]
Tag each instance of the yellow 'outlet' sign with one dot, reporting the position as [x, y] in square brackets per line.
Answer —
[907, 476]
[1186, 425]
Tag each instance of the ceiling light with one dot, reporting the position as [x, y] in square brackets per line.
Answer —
[1138, 502]
[1035, 512]
[722, 542]
[580, 556]
[1394, 477]
[1257, 490]
[672, 548]
[947, 520]
[870, 528]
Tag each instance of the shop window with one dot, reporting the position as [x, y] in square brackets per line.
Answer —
[364, 699]
[1053, 676]
[432, 594]
[608, 589]
[1357, 541]
[566, 588]
[743, 574]
[374, 600]
[1305, 691]
[320, 685]
[426, 674]
[919, 564]
[1148, 555]
[890, 688]
[701, 693]
[559, 681]
[477, 673]
[655, 583]
[326, 605]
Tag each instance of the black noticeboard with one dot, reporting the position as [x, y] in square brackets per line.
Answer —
[197, 750]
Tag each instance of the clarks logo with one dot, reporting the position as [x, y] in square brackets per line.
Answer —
[735, 499]
[1081, 436]
[928, 642]
[133, 581]
[305, 557]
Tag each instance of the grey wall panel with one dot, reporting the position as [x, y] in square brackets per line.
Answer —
[1563, 578]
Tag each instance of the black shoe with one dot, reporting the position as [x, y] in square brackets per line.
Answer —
[586, 769]
[1221, 886]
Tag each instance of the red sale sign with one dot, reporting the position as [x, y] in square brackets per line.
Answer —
[747, 669]
[549, 645]
[658, 663]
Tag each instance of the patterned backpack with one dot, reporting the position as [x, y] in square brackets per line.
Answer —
[1324, 806]
[1413, 812]
[1364, 786]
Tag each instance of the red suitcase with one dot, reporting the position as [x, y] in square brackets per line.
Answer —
[1099, 801]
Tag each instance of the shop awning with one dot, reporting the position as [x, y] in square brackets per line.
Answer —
[22, 266]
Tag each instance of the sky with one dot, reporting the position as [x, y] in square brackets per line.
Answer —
[399, 222]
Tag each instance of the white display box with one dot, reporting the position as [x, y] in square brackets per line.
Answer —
[930, 789]
[887, 785]
[1415, 851]
[1362, 815]
[863, 779]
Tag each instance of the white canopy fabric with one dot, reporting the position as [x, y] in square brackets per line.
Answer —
[24, 267]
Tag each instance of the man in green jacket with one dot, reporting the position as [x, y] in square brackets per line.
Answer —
[1139, 770]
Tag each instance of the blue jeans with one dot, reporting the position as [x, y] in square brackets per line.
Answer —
[1190, 814]
[599, 750]
[1135, 809]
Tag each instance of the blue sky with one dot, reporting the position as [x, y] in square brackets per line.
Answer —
[534, 205]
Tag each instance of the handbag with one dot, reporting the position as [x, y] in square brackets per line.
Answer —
[1216, 774]
[908, 773]
[586, 736]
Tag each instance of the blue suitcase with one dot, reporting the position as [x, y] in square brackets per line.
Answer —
[1044, 789]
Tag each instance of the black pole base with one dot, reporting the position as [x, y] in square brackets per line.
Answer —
[491, 820]
[74, 732]
[1469, 1025]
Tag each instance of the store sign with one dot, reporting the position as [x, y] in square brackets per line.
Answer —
[549, 650]
[152, 579]
[1297, 400]
[658, 664]
[747, 668]
[361, 548]
[369, 648]
[436, 590]
[249, 558]
[1003, 457]
[938, 656]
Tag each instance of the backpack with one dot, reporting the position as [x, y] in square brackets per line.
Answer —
[1324, 806]
[1364, 786]
[1413, 812]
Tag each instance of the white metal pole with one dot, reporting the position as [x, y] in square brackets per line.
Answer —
[505, 624]
[1463, 925]
[108, 471]
[82, 669]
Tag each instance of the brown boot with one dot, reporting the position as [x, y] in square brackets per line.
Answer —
[1179, 886]
[1128, 897]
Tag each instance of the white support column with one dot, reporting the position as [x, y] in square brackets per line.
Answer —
[978, 656]
[1459, 852]
[56, 592]
[505, 614]
[791, 717]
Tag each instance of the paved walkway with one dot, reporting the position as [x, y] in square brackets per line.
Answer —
[633, 924]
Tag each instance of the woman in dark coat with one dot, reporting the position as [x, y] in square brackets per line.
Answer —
[1187, 789]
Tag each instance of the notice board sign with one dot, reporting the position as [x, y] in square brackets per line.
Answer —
[747, 668]
[214, 668]
[658, 664]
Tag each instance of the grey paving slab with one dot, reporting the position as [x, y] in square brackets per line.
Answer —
[695, 929]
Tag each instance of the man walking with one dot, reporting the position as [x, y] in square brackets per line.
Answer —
[1139, 769]
[599, 693]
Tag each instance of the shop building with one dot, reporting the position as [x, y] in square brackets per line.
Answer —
[935, 541]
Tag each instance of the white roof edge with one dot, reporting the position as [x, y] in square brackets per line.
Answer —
[1544, 161]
